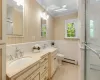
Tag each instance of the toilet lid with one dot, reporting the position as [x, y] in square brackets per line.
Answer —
[60, 55]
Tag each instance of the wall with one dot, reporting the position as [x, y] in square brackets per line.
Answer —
[81, 18]
[59, 25]
[32, 25]
[68, 47]
[0, 19]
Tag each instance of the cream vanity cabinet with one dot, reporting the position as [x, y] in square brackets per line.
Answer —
[37, 71]
[31, 73]
[52, 63]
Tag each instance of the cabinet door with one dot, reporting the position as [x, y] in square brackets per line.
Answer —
[2, 21]
[52, 67]
[2, 63]
[37, 77]
[55, 64]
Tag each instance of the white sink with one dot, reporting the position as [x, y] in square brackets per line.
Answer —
[20, 62]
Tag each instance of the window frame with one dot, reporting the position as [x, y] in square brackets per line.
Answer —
[43, 31]
[66, 28]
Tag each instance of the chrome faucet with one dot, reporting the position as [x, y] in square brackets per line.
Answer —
[16, 52]
[11, 57]
[21, 53]
[44, 46]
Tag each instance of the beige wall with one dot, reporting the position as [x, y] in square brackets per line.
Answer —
[32, 24]
[59, 25]
[0, 19]
[68, 47]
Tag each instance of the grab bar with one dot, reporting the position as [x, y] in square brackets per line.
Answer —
[92, 50]
[94, 65]
[95, 69]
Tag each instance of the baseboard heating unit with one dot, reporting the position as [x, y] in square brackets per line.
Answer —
[70, 61]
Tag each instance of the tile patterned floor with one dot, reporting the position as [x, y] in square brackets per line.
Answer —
[66, 72]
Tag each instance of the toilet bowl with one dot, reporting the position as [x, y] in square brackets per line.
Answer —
[60, 58]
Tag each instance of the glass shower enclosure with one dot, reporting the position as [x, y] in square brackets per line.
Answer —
[92, 40]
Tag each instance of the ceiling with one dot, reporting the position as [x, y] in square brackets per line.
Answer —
[59, 7]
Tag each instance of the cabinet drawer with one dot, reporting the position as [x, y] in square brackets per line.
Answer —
[46, 72]
[34, 76]
[44, 60]
[44, 68]
[27, 73]
[45, 77]
[37, 77]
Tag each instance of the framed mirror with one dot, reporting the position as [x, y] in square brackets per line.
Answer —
[15, 9]
[43, 27]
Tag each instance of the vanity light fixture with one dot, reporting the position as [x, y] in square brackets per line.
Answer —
[19, 2]
[60, 10]
[52, 7]
[44, 15]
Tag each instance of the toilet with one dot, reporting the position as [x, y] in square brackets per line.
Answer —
[60, 57]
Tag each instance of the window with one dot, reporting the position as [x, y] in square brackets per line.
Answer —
[43, 28]
[70, 28]
[91, 28]
[43, 32]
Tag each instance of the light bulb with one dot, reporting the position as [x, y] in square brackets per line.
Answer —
[44, 16]
[47, 16]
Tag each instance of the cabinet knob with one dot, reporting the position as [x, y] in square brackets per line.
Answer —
[54, 58]
[45, 59]
[30, 78]
[45, 67]
[45, 78]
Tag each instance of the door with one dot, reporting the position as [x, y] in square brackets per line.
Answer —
[92, 50]
[2, 63]
[2, 21]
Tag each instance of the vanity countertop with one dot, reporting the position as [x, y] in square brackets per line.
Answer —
[13, 70]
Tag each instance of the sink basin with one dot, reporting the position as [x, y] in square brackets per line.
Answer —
[20, 62]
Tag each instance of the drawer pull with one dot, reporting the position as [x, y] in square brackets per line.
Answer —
[45, 78]
[55, 58]
[45, 59]
[45, 67]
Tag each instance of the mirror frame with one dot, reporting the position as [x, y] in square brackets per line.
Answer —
[15, 35]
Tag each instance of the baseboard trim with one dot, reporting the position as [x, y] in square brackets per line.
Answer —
[69, 59]
[69, 62]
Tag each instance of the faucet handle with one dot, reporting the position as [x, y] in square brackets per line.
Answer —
[16, 55]
[17, 49]
[10, 57]
[21, 53]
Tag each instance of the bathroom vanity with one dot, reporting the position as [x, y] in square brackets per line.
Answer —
[38, 66]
